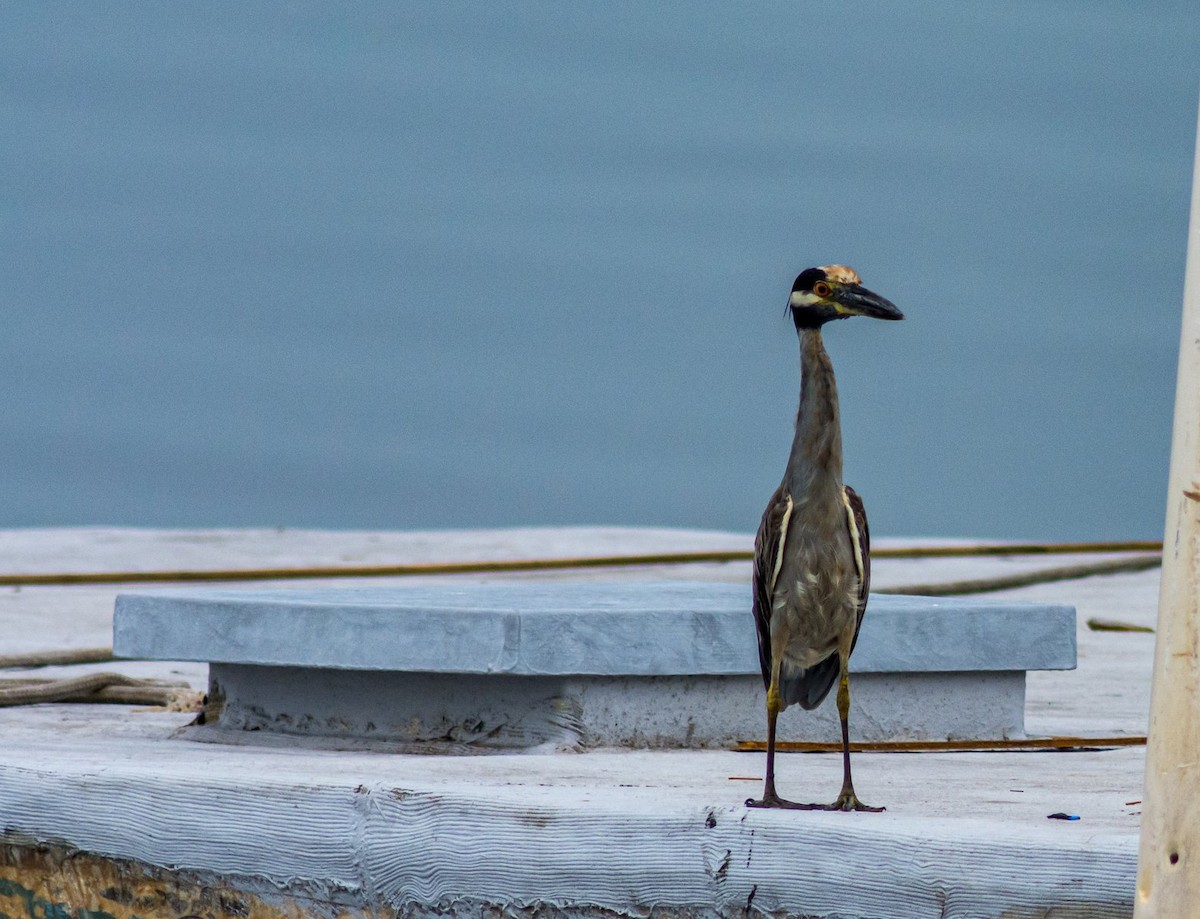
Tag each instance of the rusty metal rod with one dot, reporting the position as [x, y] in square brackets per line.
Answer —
[537, 564]
[56, 658]
[945, 746]
[1026, 578]
[95, 687]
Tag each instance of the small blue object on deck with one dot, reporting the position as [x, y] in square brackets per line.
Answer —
[552, 664]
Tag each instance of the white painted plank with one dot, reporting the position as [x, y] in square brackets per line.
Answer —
[941, 807]
[1169, 870]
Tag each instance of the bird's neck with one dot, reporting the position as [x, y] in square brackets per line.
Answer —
[816, 457]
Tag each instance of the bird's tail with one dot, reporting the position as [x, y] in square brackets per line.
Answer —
[808, 688]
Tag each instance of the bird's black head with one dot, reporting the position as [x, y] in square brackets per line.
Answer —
[835, 292]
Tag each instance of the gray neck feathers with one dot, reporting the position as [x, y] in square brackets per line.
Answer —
[816, 457]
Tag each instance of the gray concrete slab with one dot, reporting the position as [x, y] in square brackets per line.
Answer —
[576, 665]
[603, 627]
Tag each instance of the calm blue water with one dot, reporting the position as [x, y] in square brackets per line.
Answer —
[475, 265]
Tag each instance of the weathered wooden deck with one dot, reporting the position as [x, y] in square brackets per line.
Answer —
[103, 810]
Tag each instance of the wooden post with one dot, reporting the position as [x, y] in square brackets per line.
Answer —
[1168, 881]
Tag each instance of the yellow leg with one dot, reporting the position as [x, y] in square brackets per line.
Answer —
[847, 800]
[773, 709]
[774, 706]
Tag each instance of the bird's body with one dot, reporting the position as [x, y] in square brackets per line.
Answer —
[812, 552]
[807, 585]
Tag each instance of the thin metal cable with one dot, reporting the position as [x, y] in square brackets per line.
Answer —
[537, 564]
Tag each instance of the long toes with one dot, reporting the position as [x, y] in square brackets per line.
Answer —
[784, 804]
[845, 802]
[850, 802]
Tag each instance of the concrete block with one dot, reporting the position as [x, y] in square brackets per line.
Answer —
[553, 665]
[531, 628]
[461, 713]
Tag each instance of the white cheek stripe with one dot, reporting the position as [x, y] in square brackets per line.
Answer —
[783, 529]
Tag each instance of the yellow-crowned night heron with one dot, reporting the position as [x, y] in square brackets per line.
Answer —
[812, 564]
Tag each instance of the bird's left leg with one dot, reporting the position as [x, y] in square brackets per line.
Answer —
[770, 797]
[774, 704]
[847, 800]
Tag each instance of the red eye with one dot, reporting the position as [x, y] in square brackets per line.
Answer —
[822, 290]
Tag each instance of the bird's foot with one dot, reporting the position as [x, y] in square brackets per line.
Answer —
[848, 801]
[773, 800]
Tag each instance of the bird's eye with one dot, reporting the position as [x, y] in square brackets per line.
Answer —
[821, 289]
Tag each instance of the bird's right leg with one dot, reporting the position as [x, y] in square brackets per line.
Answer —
[770, 798]
[774, 706]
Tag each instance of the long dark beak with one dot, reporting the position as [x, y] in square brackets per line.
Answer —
[862, 302]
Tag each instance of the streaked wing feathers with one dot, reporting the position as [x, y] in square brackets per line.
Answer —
[860, 542]
[808, 687]
[768, 550]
